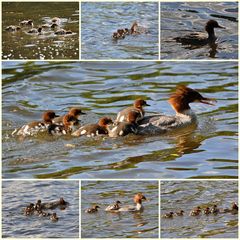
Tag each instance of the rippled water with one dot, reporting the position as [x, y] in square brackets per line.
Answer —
[18, 194]
[20, 45]
[187, 195]
[29, 88]
[100, 20]
[124, 224]
[178, 19]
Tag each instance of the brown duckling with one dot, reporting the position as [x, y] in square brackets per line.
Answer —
[206, 211]
[12, 28]
[93, 209]
[54, 217]
[168, 215]
[28, 23]
[196, 211]
[214, 209]
[35, 31]
[179, 213]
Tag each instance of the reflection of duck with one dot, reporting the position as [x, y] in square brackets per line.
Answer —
[137, 107]
[199, 38]
[12, 28]
[125, 128]
[91, 130]
[196, 211]
[184, 117]
[75, 112]
[33, 128]
[69, 122]
[93, 209]
[114, 206]
[138, 198]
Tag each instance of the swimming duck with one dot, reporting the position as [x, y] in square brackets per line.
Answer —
[168, 215]
[184, 117]
[53, 25]
[38, 205]
[63, 32]
[137, 107]
[28, 23]
[35, 31]
[206, 211]
[199, 38]
[214, 209]
[136, 29]
[196, 211]
[29, 209]
[234, 208]
[75, 112]
[69, 123]
[54, 217]
[12, 28]
[33, 128]
[61, 203]
[91, 130]
[43, 214]
[179, 213]
[138, 198]
[125, 128]
[93, 209]
[114, 206]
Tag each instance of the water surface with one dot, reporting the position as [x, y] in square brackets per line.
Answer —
[188, 195]
[124, 224]
[178, 19]
[20, 45]
[100, 20]
[18, 194]
[103, 89]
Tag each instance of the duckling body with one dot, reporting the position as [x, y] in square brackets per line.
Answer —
[168, 215]
[35, 31]
[28, 23]
[113, 207]
[93, 209]
[195, 212]
[12, 28]
[214, 209]
[179, 213]
[54, 217]
[63, 32]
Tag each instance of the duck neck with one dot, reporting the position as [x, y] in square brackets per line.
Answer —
[211, 33]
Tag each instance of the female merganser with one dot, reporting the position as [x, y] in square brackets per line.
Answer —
[199, 38]
[138, 208]
[35, 31]
[54, 217]
[184, 117]
[12, 28]
[75, 112]
[125, 128]
[137, 107]
[206, 211]
[61, 203]
[215, 209]
[91, 130]
[113, 207]
[179, 213]
[28, 23]
[93, 209]
[33, 128]
[69, 123]
[168, 215]
[196, 211]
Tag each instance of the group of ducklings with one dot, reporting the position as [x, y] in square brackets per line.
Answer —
[39, 207]
[27, 25]
[134, 30]
[197, 211]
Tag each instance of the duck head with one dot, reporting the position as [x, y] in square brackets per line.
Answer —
[105, 121]
[48, 116]
[139, 103]
[139, 197]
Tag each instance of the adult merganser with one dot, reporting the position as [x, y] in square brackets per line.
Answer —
[61, 203]
[76, 112]
[93, 209]
[91, 130]
[69, 123]
[138, 207]
[34, 128]
[137, 107]
[215, 209]
[196, 211]
[125, 128]
[113, 207]
[199, 38]
[184, 117]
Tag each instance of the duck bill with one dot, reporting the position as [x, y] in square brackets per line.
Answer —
[82, 113]
[209, 101]
[147, 104]
[219, 26]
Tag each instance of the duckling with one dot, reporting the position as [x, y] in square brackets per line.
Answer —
[35, 31]
[196, 211]
[91, 130]
[214, 209]
[43, 214]
[234, 208]
[29, 209]
[93, 209]
[125, 128]
[206, 211]
[168, 215]
[199, 38]
[54, 217]
[12, 28]
[56, 20]
[69, 122]
[114, 206]
[116, 36]
[179, 213]
[63, 32]
[38, 205]
[28, 23]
